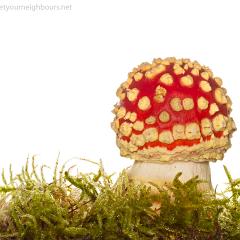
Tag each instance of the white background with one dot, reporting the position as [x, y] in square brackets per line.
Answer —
[59, 71]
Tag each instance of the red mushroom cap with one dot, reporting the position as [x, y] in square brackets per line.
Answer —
[173, 110]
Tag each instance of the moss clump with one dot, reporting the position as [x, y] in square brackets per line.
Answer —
[92, 206]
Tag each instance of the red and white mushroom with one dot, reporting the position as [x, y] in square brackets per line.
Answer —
[173, 116]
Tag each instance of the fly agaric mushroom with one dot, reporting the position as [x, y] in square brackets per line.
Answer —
[173, 116]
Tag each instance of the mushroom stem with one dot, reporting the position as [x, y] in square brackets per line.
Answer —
[164, 172]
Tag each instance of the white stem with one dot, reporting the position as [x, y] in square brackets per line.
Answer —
[163, 173]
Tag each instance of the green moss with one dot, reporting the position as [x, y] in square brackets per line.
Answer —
[92, 206]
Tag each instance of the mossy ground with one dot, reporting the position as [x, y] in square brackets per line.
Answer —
[92, 206]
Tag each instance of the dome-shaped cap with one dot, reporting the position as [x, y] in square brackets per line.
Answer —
[173, 110]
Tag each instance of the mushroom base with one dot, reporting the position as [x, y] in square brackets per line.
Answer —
[163, 173]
